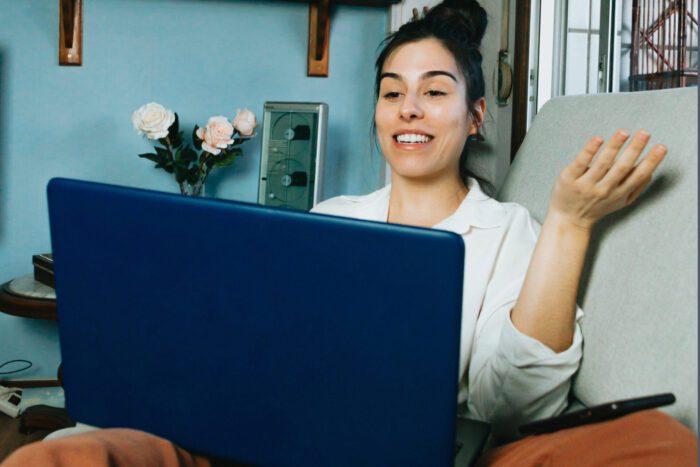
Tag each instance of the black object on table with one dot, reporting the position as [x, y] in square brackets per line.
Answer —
[44, 417]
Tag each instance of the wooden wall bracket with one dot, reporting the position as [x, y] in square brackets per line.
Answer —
[319, 37]
[70, 32]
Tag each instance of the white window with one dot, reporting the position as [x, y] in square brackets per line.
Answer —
[586, 46]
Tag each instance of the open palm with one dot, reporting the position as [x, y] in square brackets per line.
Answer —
[588, 189]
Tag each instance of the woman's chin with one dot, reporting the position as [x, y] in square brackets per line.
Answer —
[415, 172]
[424, 166]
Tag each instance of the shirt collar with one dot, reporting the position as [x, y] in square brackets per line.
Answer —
[476, 210]
[372, 207]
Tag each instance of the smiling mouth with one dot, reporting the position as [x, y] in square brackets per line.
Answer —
[412, 138]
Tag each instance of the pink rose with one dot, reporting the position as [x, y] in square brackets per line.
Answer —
[245, 122]
[216, 135]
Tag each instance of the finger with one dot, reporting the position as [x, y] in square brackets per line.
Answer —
[605, 159]
[642, 173]
[624, 164]
[632, 197]
[583, 159]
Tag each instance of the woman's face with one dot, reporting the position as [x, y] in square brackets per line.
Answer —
[421, 115]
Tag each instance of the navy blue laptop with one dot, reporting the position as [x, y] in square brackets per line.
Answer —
[268, 336]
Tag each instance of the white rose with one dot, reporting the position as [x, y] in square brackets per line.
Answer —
[152, 120]
[245, 122]
[216, 135]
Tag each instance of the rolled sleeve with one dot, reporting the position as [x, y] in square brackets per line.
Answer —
[522, 380]
[523, 351]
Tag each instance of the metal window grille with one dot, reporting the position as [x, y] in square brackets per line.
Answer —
[664, 44]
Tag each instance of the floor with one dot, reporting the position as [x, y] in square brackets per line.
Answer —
[10, 437]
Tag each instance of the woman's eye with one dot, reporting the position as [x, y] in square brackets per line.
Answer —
[435, 93]
[391, 95]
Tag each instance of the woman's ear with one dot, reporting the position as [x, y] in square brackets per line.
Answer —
[477, 116]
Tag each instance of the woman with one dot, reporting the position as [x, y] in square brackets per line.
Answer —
[520, 340]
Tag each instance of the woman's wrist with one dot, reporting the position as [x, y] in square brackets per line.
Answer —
[546, 307]
[567, 223]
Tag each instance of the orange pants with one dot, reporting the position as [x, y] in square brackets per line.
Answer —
[648, 438]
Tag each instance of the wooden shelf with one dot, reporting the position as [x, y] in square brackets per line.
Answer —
[70, 31]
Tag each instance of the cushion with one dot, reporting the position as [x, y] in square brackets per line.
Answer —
[639, 289]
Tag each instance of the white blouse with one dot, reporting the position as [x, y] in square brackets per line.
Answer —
[507, 378]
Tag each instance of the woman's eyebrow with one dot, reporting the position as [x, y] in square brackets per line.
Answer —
[430, 74]
[426, 75]
[390, 75]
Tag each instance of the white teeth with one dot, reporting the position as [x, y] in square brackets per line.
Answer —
[413, 138]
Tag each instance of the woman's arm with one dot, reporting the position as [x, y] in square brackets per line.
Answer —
[584, 192]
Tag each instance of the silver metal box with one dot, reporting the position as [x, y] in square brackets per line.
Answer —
[293, 150]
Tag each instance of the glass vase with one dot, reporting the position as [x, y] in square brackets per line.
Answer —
[188, 189]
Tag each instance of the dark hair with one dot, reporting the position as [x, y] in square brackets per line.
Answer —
[459, 25]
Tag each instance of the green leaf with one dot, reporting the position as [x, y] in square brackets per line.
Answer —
[163, 155]
[174, 129]
[150, 157]
[180, 173]
[180, 138]
[193, 175]
[167, 165]
[226, 158]
[195, 139]
[188, 154]
[176, 141]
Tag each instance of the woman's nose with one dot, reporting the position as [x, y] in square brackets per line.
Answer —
[410, 108]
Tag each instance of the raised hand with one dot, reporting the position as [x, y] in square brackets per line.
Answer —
[587, 189]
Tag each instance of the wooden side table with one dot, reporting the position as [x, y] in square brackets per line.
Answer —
[42, 305]
[26, 298]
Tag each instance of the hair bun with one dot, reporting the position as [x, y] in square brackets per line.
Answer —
[464, 20]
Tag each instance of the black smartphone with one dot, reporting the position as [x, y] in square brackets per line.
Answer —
[599, 413]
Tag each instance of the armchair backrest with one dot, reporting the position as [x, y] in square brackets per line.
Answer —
[639, 291]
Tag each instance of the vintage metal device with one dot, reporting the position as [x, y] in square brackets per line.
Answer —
[293, 150]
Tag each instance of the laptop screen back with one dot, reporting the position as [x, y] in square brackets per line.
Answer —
[258, 334]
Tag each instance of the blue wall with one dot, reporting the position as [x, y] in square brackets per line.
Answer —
[197, 57]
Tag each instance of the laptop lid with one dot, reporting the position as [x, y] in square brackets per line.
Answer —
[258, 334]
